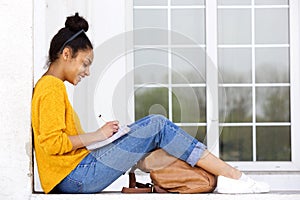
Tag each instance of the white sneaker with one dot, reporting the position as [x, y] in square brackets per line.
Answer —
[232, 186]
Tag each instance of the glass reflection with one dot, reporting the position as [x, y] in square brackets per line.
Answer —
[236, 103]
[188, 65]
[151, 101]
[234, 26]
[234, 2]
[189, 104]
[236, 144]
[272, 65]
[271, 2]
[198, 132]
[151, 66]
[151, 74]
[235, 65]
[273, 104]
[152, 18]
[190, 23]
[187, 2]
[271, 26]
[150, 2]
[273, 143]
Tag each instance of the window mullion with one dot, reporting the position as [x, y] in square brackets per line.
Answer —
[170, 63]
[212, 77]
[295, 84]
[253, 81]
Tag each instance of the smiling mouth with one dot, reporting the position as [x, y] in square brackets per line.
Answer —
[80, 77]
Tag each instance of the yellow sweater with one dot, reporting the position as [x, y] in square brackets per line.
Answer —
[53, 120]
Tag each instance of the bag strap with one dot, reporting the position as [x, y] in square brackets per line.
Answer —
[136, 187]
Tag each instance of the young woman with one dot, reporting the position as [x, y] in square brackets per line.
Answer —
[66, 166]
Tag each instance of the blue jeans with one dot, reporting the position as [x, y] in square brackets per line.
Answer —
[104, 165]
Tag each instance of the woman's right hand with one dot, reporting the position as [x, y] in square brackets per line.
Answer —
[108, 129]
[102, 133]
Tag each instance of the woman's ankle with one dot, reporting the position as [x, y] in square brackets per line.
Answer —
[235, 174]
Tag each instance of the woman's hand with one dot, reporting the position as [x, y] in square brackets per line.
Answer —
[102, 133]
[108, 129]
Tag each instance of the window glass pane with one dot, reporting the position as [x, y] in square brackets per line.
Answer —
[235, 65]
[234, 26]
[189, 104]
[273, 104]
[187, 2]
[273, 143]
[271, 26]
[151, 101]
[188, 65]
[189, 23]
[152, 18]
[271, 2]
[151, 66]
[236, 103]
[272, 65]
[236, 144]
[234, 2]
[198, 132]
[150, 2]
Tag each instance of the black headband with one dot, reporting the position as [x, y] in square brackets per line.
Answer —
[70, 39]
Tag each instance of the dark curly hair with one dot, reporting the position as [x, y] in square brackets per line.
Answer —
[74, 26]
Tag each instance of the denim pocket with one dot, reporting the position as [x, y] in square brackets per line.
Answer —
[74, 182]
[70, 185]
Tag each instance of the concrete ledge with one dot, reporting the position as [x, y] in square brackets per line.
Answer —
[211, 196]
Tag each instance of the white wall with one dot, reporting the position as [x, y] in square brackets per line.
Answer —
[16, 69]
[107, 26]
[107, 20]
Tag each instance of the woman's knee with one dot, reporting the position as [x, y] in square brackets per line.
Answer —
[158, 118]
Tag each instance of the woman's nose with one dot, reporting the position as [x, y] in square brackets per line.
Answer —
[87, 71]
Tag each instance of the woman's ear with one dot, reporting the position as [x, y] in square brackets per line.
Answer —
[66, 54]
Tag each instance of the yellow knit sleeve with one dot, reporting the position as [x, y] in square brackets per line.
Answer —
[78, 124]
[52, 137]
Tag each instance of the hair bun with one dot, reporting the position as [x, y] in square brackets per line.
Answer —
[76, 23]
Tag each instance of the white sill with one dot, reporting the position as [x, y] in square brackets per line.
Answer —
[211, 196]
[283, 183]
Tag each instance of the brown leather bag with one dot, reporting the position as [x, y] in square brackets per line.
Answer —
[169, 174]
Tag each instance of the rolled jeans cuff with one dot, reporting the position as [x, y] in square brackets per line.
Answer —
[196, 154]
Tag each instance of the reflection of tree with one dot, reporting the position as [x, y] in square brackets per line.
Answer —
[268, 73]
[185, 102]
[147, 97]
[273, 143]
[236, 76]
[189, 105]
[236, 144]
[198, 132]
[238, 106]
[274, 104]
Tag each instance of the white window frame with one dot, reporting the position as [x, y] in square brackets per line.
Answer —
[294, 164]
[212, 84]
[295, 77]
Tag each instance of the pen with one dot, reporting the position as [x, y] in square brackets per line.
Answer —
[100, 116]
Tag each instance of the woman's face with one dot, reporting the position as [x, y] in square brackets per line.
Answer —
[79, 67]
